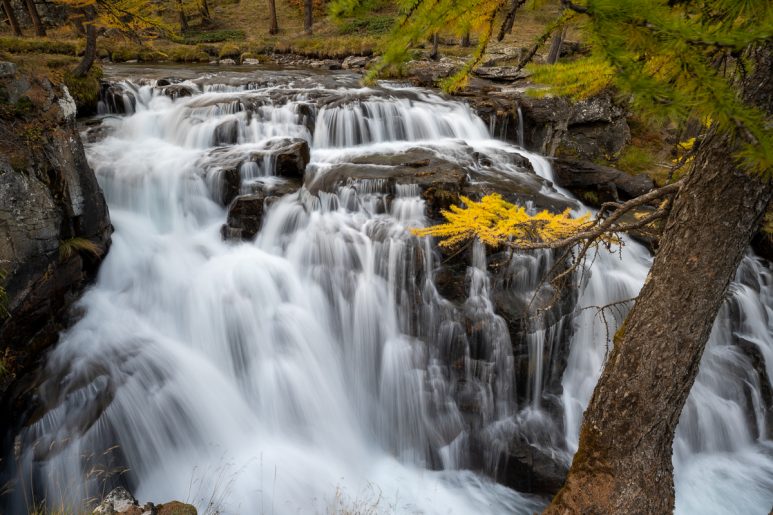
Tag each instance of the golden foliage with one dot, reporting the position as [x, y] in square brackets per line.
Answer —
[132, 17]
[496, 222]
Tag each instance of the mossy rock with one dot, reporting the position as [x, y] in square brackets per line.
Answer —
[175, 508]
[85, 90]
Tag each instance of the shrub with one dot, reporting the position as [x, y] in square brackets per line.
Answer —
[85, 90]
[188, 55]
[229, 51]
[210, 50]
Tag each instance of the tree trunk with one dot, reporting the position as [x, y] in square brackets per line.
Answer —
[555, 46]
[624, 464]
[183, 18]
[274, 29]
[40, 30]
[90, 53]
[204, 10]
[308, 18]
[11, 18]
[435, 52]
[466, 39]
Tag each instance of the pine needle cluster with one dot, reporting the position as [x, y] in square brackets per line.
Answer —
[496, 222]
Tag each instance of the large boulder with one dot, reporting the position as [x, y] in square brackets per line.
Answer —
[442, 179]
[554, 126]
[291, 158]
[287, 156]
[53, 220]
[115, 98]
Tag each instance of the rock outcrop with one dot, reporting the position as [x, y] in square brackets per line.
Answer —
[608, 184]
[555, 126]
[121, 501]
[54, 222]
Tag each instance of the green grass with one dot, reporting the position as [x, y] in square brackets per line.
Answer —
[368, 25]
[16, 45]
[213, 36]
[636, 160]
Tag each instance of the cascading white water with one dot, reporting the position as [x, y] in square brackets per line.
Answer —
[318, 368]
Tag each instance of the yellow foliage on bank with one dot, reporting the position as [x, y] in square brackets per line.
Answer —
[496, 222]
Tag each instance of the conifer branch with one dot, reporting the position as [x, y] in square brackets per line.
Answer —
[608, 224]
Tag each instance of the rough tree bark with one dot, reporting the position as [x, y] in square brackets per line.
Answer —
[11, 18]
[274, 29]
[623, 464]
[40, 29]
[308, 16]
[90, 53]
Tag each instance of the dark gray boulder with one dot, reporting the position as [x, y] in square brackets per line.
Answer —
[245, 215]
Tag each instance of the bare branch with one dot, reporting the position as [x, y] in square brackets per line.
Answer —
[574, 7]
[608, 224]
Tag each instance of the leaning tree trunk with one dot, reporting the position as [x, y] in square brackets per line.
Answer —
[624, 464]
[555, 46]
[40, 29]
[274, 29]
[11, 18]
[90, 53]
[308, 16]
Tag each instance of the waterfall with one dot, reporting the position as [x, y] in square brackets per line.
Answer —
[323, 366]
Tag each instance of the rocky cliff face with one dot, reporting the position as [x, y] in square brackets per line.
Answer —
[54, 224]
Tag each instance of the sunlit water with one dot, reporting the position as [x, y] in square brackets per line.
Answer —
[318, 368]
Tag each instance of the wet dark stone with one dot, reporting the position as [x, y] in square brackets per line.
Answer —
[227, 133]
[609, 184]
[245, 216]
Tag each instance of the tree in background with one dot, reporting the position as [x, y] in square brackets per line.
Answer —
[182, 17]
[206, 17]
[308, 16]
[32, 9]
[274, 29]
[676, 61]
[11, 17]
[134, 18]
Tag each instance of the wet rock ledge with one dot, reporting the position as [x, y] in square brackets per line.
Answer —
[54, 224]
